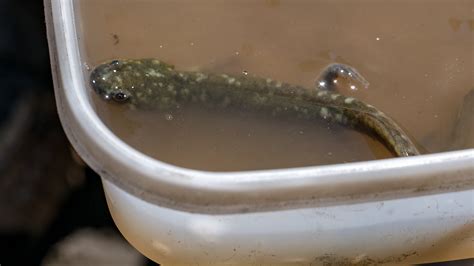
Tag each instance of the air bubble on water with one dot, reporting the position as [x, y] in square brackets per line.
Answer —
[169, 117]
[245, 72]
[161, 46]
[237, 53]
[87, 66]
[329, 153]
[353, 87]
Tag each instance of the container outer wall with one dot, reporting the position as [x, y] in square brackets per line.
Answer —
[394, 229]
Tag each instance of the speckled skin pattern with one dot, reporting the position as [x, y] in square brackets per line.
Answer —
[153, 84]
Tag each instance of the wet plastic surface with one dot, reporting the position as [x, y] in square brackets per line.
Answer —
[404, 210]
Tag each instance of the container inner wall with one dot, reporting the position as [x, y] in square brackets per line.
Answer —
[417, 57]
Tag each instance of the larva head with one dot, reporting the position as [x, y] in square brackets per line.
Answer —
[125, 80]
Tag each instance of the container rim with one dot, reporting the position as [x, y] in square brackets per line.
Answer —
[229, 192]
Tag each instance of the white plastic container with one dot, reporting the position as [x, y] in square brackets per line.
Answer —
[394, 211]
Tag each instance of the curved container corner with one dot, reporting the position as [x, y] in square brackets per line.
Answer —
[395, 211]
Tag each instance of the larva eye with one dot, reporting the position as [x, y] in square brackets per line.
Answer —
[120, 97]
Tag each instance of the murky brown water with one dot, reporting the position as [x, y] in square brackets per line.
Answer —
[417, 55]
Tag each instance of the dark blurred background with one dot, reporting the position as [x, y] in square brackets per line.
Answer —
[52, 206]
